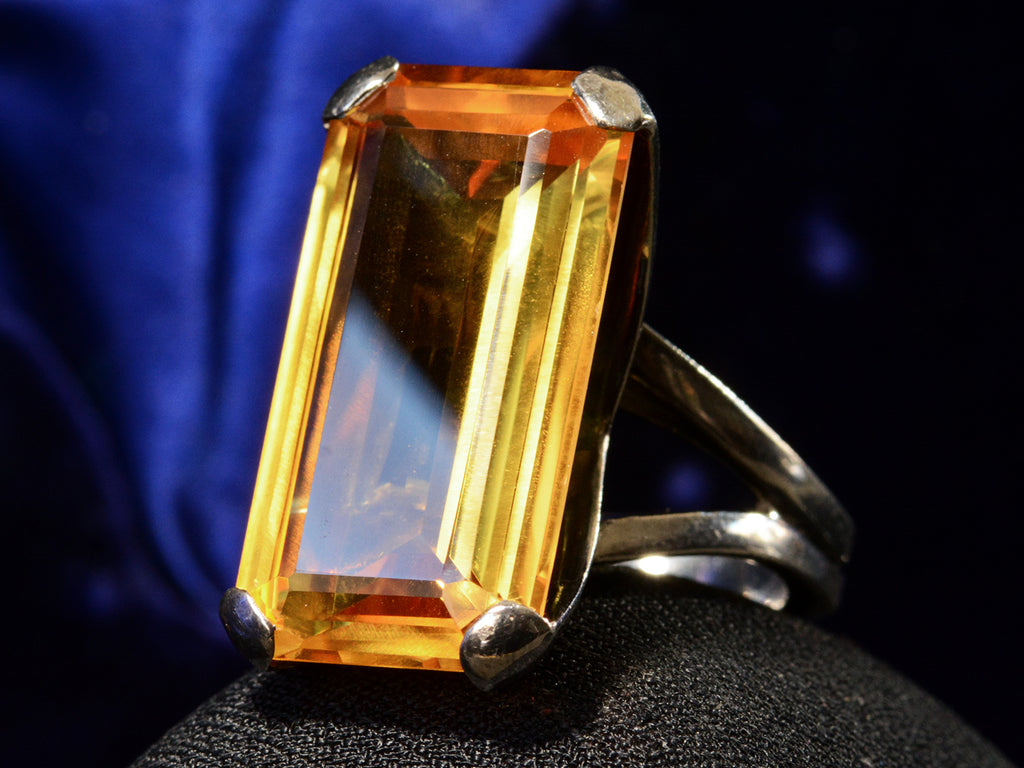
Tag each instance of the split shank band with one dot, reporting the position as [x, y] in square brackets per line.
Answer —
[800, 529]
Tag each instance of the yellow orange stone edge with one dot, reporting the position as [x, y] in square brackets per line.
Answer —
[293, 387]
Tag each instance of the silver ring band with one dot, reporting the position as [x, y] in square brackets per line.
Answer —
[813, 581]
[799, 528]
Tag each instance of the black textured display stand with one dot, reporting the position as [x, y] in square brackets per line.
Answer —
[640, 677]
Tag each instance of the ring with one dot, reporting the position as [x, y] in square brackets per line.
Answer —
[466, 319]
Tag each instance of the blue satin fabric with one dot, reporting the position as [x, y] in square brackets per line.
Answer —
[156, 163]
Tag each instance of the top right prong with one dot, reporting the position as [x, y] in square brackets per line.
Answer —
[613, 101]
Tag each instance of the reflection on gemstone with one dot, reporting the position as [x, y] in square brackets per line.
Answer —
[435, 368]
[385, 430]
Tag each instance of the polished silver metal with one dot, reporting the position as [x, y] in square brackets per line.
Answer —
[250, 631]
[815, 581]
[740, 576]
[612, 101]
[360, 85]
[670, 389]
[616, 104]
[503, 642]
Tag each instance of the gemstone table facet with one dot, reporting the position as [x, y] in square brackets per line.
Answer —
[435, 367]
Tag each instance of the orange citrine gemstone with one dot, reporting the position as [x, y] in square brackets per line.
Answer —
[435, 366]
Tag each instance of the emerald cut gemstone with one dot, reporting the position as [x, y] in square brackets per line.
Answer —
[432, 396]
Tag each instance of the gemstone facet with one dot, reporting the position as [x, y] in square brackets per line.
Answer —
[434, 378]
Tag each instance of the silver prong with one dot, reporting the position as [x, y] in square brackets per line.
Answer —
[611, 99]
[250, 631]
[503, 642]
[359, 86]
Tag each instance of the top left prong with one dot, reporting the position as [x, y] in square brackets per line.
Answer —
[359, 86]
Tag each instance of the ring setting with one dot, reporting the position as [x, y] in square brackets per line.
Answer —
[466, 319]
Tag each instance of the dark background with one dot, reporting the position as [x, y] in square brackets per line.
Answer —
[838, 241]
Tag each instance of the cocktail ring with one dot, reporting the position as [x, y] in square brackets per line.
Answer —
[466, 319]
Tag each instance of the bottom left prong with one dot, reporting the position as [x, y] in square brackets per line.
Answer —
[250, 631]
